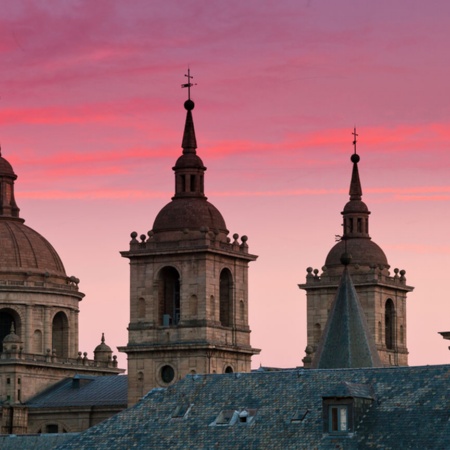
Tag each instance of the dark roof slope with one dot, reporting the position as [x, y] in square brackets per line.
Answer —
[410, 410]
[83, 391]
[35, 441]
[346, 340]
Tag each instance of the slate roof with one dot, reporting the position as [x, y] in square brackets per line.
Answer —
[34, 442]
[91, 391]
[410, 410]
[346, 340]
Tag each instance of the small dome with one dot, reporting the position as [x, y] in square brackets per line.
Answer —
[103, 351]
[191, 213]
[189, 161]
[26, 250]
[363, 251]
[103, 347]
[12, 338]
[6, 168]
[355, 206]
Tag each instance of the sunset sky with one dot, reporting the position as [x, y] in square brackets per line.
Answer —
[91, 118]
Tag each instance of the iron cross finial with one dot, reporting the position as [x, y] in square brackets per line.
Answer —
[188, 84]
[354, 138]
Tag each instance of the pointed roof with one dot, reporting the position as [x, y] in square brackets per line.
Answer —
[346, 340]
[355, 214]
[189, 143]
[355, 184]
[189, 208]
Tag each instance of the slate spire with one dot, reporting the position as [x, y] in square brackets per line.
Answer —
[189, 168]
[189, 143]
[356, 213]
[346, 340]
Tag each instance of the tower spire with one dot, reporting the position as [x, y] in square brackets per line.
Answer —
[355, 184]
[189, 168]
[356, 213]
[189, 143]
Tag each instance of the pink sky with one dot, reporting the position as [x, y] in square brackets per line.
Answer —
[91, 117]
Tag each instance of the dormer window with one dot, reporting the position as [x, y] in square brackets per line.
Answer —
[230, 417]
[343, 412]
[181, 411]
[338, 419]
[338, 415]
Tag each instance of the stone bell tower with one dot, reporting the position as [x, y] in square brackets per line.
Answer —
[188, 287]
[382, 295]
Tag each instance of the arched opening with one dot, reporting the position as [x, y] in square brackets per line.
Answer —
[37, 342]
[229, 369]
[169, 296]
[226, 295]
[60, 335]
[8, 317]
[389, 324]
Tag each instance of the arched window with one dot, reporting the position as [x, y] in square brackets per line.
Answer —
[226, 286]
[169, 296]
[389, 324]
[8, 317]
[60, 335]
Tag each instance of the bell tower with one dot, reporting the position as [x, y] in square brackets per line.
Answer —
[382, 294]
[188, 286]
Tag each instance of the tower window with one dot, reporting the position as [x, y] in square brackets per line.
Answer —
[169, 296]
[60, 335]
[193, 179]
[389, 322]
[359, 224]
[226, 285]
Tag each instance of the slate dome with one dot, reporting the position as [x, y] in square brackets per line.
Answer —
[191, 213]
[25, 249]
[362, 250]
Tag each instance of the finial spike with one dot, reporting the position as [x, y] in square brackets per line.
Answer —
[354, 138]
[103, 338]
[188, 84]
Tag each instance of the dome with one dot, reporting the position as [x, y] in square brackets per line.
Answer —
[12, 338]
[6, 168]
[362, 250]
[190, 213]
[189, 161]
[24, 249]
[355, 206]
